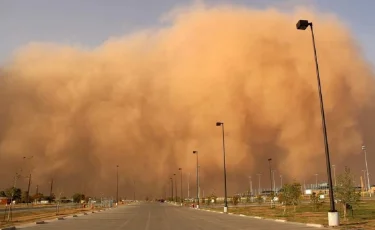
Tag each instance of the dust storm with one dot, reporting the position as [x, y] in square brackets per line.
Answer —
[146, 100]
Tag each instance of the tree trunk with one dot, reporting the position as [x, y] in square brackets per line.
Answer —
[344, 207]
[284, 209]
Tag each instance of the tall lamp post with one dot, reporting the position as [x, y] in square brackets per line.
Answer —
[251, 186]
[171, 188]
[117, 185]
[368, 174]
[281, 181]
[29, 183]
[259, 192]
[188, 186]
[334, 173]
[333, 217]
[225, 171]
[269, 163]
[175, 184]
[181, 199]
[196, 153]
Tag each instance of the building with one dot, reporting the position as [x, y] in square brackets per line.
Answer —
[4, 200]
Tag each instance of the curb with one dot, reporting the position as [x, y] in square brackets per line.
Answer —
[280, 220]
[315, 225]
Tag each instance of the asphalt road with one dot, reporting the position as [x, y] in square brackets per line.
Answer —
[158, 216]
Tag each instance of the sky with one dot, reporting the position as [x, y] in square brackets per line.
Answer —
[53, 110]
[89, 23]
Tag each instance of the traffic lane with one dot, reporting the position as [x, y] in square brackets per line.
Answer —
[115, 218]
[156, 216]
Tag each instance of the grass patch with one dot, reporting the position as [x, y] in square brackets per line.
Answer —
[363, 218]
[29, 216]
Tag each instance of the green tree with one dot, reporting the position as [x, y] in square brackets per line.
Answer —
[14, 193]
[2, 194]
[315, 201]
[345, 191]
[259, 199]
[24, 197]
[235, 199]
[77, 197]
[38, 197]
[290, 195]
[50, 198]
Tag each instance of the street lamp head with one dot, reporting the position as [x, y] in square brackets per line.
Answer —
[303, 24]
[269, 159]
[219, 123]
[363, 147]
[179, 168]
[194, 152]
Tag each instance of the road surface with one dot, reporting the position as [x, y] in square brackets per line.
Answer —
[163, 216]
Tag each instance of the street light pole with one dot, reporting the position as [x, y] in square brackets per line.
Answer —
[196, 153]
[281, 181]
[134, 190]
[175, 184]
[316, 181]
[269, 163]
[334, 173]
[250, 186]
[364, 179]
[333, 217]
[274, 181]
[171, 188]
[225, 171]
[368, 174]
[259, 183]
[117, 185]
[29, 183]
[188, 185]
[181, 199]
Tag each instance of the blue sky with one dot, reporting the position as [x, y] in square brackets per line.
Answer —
[90, 22]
